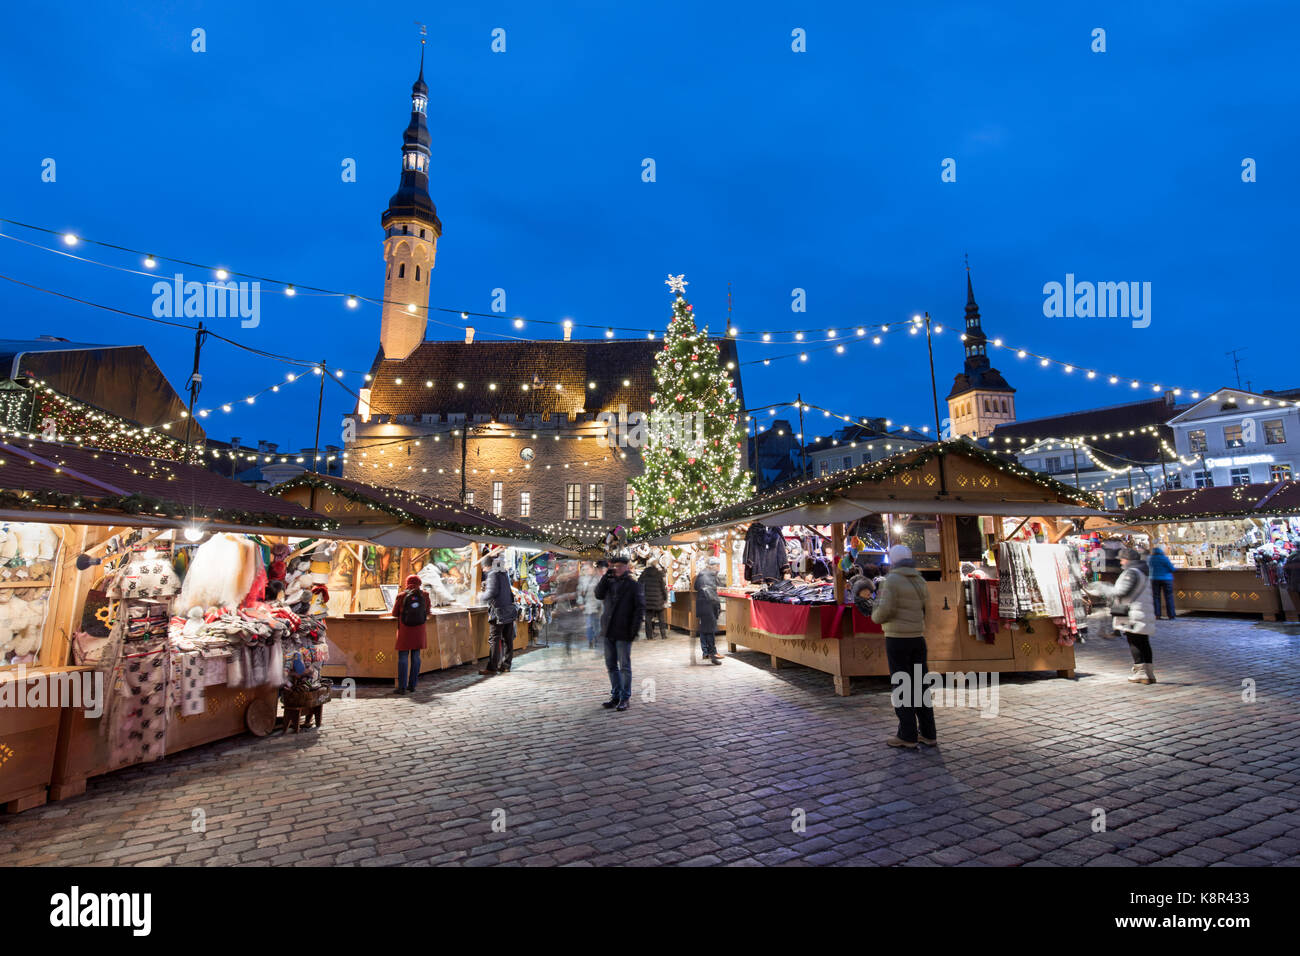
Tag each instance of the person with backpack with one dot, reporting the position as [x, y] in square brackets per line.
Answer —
[412, 611]
[502, 615]
[902, 599]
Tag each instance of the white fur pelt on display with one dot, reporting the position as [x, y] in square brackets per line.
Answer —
[220, 574]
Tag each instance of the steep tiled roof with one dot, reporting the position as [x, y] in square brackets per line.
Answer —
[1115, 421]
[510, 365]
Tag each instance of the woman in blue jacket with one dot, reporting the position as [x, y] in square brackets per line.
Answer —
[1162, 580]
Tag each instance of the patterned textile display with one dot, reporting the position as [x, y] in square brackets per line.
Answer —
[139, 729]
[188, 680]
[147, 573]
[1039, 580]
[982, 617]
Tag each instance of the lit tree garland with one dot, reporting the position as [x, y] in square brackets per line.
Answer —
[694, 451]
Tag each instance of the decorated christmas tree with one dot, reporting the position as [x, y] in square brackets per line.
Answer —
[694, 449]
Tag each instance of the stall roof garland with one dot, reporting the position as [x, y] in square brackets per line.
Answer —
[145, 506]
[824, 489]
[401, 504]
[45, 475]
[1223, 501]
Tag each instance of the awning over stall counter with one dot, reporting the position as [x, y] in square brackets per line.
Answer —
[54, 482]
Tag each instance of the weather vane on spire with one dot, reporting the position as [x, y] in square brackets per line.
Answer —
[676, 284]
[424, 31]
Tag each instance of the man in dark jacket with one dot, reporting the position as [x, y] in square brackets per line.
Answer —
[654, 591]
[622, 597]
[502, 613]
[707, 608]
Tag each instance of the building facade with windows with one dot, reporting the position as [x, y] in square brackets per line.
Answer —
[1239, 437]
[855, 445]
[1123, 453]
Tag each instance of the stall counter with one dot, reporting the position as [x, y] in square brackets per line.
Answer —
[361, 643]
[846, 654]
[83, 747]
[1239, 590]
[28, 738]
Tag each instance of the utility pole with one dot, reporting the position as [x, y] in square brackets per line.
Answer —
[320, 401]
[934, 396]
[1236, 363]
[1074, 446]
[195, 383]
[803, 451]
[464, 437]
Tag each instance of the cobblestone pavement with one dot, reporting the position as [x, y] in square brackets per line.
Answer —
[714, 770]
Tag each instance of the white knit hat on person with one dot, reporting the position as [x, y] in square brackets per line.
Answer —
[899, 552]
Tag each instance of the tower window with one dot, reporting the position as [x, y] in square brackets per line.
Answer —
[421, 236]
[401, 271]
[417, 279]
[419, 103]
[406, 230]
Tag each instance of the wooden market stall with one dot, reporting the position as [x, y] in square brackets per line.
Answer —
[957, 486]
[390, 533]
[70, 518]
[1219, 540]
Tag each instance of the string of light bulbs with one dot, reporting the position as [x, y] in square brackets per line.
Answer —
[151, 260]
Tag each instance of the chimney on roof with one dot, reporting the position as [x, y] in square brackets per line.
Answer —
[469, 335]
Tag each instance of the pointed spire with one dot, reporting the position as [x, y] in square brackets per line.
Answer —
[970, 292]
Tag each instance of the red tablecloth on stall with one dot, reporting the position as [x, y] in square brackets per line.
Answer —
[779, 620]
[865, 625]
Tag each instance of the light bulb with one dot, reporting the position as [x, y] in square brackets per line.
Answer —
[150, 262]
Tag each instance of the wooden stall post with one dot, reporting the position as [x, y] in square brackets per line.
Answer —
[837, 549]
[949, 561]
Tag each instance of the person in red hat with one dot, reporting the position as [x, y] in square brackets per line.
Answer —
[412, 611]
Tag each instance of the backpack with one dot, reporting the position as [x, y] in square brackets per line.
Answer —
[413, 610]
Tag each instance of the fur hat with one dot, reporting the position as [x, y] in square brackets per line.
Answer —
[899, 552]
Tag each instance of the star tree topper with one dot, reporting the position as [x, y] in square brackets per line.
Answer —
[676, 284]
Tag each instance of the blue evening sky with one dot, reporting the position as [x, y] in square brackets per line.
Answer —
[776, 170]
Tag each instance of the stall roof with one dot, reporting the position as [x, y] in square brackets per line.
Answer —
[68, 483]
[898, 484]
[418, 520]
[1259, 500]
